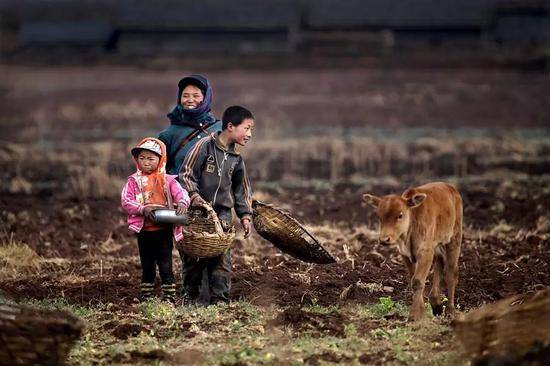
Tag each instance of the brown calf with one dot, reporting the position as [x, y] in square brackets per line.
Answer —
[426, 224]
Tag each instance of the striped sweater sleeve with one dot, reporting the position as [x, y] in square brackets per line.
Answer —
[242, 191]
[190, 171]
[128, 198]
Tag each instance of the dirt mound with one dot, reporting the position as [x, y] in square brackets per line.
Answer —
[379, 358]
[125, 331]
[322, 358]
[322, 285]
[139, 357]
[316, 324]
[538, 355]
[491, 268]
[66, 228]
[120, 291]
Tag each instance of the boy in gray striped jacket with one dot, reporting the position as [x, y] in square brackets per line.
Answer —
[214, 172]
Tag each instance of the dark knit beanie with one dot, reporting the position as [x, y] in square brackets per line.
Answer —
[196, 80]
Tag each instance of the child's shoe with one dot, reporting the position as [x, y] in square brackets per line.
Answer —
[188, 300]
[147, 291]
[169, 293]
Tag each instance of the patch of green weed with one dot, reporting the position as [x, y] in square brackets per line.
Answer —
[156, 309]
[350, 330]
[399, 333]
[244, 356]
[387, 306]
[320, 309]
[402, 355]
[60, 304]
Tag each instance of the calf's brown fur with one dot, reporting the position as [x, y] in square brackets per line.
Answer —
[426, 224]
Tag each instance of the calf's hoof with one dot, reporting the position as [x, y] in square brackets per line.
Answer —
[437, 309]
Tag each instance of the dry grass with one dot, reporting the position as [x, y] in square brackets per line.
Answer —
[343, 241]
[98, 170]
[17, 259]
[85, 170]
[336, 158]
[94, 182]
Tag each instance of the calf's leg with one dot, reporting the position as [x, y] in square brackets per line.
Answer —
[435, 292]
[423, 263]
[451, 271]
[410, 266]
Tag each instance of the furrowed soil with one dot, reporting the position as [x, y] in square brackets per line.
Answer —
[64, 159]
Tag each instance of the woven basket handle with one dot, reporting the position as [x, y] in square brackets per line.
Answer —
[214, 216]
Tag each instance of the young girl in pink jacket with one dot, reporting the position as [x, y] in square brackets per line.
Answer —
[150, 188]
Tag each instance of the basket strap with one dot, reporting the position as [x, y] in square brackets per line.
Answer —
[214, 215]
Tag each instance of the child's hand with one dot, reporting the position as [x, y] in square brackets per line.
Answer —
[247, 226]
[180, 209]
[198, 201]
[148, 210]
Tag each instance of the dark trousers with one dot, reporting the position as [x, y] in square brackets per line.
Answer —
[155, 249]
[217, 271]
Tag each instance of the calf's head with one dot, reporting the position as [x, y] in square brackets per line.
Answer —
[394, 213]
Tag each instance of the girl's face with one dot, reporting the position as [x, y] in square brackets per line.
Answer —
[242, 133]
[147, 161]
[191, 97]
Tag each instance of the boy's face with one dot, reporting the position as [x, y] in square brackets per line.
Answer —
[147, 161]
[242, 133]
[191, 97]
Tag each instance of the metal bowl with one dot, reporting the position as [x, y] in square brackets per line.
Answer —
[167, 216]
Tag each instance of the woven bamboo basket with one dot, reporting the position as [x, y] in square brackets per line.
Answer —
[287, 234]
[204, 236]
[30, 336]
[511, 326]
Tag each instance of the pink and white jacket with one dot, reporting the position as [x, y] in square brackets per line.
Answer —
[134, 208]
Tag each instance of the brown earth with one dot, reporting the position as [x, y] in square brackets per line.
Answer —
[492, 266]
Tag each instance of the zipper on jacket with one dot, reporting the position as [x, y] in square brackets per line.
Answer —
[220, 169]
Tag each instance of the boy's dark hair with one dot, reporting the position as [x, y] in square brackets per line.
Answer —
[236, 115]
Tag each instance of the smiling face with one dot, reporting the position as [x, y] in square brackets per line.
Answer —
[147, 161]
[191, 97]
[242, 133]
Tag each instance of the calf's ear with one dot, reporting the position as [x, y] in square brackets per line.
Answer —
[371, 200]
[415, 199]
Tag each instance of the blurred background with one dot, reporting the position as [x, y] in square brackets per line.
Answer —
[469, 32]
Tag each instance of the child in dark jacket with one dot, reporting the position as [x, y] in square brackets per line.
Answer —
[215, 172]
[150, 188]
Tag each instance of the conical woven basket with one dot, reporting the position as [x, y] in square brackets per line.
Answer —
[204, 236]
[287, 234]
[30, 336]
[506, 327]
